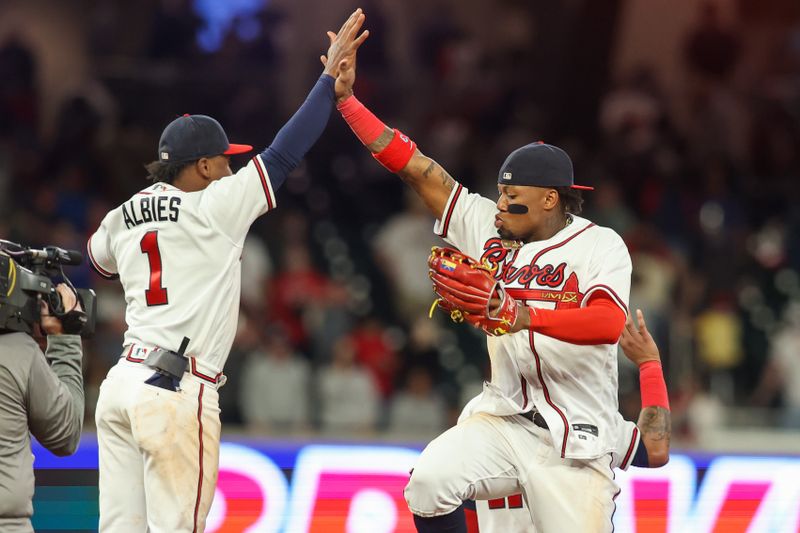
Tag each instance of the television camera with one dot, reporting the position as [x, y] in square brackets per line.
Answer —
[26, 278]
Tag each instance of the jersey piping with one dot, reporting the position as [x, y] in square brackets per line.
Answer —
[610, 291]
[536, 354]
[95, 266]
[614, 499]
[560, 244]
[265, 183]
[197, 373]
[449, 208]
[547, 395]
[629, 454]
[200, 438]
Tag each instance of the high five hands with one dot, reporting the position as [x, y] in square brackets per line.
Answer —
[340, 61]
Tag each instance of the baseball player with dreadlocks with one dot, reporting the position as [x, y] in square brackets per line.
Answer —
[550, 289]
[176, 247]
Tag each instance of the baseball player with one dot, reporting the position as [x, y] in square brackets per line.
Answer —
[176, 247]
[545, 423]
[651, 437]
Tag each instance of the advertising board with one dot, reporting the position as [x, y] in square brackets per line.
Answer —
[273, 486]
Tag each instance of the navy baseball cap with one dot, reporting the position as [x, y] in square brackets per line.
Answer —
[191, 137]
[539, 165]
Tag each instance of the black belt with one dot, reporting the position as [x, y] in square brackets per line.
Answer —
[535, 417]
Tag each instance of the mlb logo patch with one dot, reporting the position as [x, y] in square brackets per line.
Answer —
[448, 265]
[506, 175]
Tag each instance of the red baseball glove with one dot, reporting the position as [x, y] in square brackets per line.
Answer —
[468, 291]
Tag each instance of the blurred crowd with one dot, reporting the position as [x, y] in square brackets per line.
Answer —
[334, 335]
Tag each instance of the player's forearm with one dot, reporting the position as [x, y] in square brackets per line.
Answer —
[430, 181]
[300, 133]
[655, 424]
[399, 154]
[391, 148]
[419, 170]
[655, 421]
[383, 140]
[418, 167]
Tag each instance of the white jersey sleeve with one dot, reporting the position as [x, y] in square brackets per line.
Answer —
[234, 202]
[467, 221]
[609, 269]
[101, 256]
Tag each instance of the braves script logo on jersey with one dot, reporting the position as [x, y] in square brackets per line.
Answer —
[548, 275]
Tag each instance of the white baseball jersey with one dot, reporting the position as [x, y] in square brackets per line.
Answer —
[574, 387]
[178, 256]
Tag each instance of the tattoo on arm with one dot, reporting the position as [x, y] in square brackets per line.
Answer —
[447, 179]
[382, 141]
[655, 423]
[427, 172]
[411, 173]
[414, 173]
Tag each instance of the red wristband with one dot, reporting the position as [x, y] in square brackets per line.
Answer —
[398, 153]
[361, 120]
[652, 386]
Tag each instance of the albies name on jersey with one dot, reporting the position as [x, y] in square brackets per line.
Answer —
[150, 209]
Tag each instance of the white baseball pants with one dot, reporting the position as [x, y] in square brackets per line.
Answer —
[486, 457]
[158, 452]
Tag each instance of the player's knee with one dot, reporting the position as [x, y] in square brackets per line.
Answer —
[428, 493]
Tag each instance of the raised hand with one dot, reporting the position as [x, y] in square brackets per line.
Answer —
[637, 343]
[346, 79]
[340, 60]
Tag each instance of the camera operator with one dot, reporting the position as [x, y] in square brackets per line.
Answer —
[39, 399]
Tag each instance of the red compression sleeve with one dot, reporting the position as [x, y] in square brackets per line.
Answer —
[397, 155]
[361, 120]
[600, 322]
[652, 386]
[368, 128]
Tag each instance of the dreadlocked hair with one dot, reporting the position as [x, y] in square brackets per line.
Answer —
[158, 171]
[571, 200]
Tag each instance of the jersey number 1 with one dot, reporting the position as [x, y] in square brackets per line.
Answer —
[155, 294]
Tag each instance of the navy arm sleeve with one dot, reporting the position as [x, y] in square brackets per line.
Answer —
[300, 133]
[641, 459]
